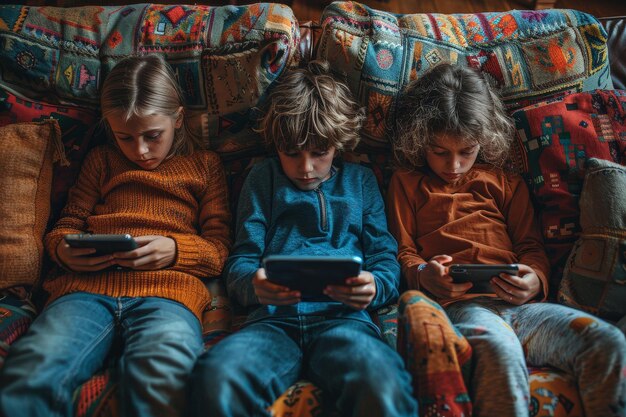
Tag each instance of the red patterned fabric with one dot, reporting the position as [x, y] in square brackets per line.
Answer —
[554, 139]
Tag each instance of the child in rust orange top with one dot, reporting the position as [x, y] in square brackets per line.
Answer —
[445, 208]
[154, 183]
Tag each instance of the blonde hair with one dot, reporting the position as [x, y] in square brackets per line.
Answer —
[451, 100]
[309, 109]
[146, 85]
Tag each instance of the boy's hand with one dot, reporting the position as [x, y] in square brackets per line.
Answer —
[78, 259]
[434, 277]
[520, 289]
[358, 292]
[269, 293]
[154, 252]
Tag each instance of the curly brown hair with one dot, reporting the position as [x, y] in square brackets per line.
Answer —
[310, 109]
[452, 100]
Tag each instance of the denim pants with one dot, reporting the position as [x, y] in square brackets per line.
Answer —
[71, 340]
[506, 337]
[358, 372]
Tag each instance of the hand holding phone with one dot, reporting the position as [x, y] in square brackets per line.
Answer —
[480, 275]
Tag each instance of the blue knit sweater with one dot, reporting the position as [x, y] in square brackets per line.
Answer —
[344, 216]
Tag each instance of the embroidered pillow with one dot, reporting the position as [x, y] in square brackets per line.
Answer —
[529, 54]
[554, 139]
[595, 273]
[225, 57]
[27, 151]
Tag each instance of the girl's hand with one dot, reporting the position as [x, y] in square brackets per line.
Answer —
[358, 292]
[269, 293]
[434, 277]
[520, 289]
[154, 252]
[82, 259]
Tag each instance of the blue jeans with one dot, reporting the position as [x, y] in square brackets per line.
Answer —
[245, 373]
[71, 340]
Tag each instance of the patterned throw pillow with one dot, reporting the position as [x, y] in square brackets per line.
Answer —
[76, 124]
[553, 140]
[27, 152]
[225, 57]
[595, 273]
[529, 54]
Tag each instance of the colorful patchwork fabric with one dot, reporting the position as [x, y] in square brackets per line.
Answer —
[302, 399]
[553, 140]
[528, 54]
[17, 312]
[225, 57]
[553, 394]
[437, 356]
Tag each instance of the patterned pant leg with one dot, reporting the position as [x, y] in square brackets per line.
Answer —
[582, 345]
[435, 353]
[499, 382]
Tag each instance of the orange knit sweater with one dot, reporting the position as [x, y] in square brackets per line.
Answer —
[185, 198]
[486, 218]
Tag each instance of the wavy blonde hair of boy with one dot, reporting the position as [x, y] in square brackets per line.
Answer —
[451, 100]
[145, 85]
[310, 109]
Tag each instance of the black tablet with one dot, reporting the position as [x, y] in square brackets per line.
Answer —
[311, 274]
[479, 275]
[102, 243]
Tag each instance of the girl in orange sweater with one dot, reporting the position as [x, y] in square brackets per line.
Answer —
[445, 208]
[154, 183]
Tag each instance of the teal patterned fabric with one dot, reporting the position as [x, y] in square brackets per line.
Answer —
[528, 54]
[225, 57]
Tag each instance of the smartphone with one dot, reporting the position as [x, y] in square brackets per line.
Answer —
[479, 275]
[311, 274]
[102, 243]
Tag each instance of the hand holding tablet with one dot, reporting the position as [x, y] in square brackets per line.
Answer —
[311, 274]
[102, 243]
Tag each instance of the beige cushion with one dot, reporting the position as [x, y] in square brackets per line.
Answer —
[26, 156]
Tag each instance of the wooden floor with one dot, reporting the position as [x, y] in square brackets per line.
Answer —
[311, 9]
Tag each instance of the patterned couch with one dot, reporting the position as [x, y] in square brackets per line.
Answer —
[553, 66]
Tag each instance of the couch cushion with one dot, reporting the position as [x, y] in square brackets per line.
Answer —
[553, 393]
[17, 312]
[595, 273]
[27, 151]
[553, 140]
[529, 54]
[225, 57]
[76, 124]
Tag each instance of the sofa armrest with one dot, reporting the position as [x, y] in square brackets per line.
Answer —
[616, 43]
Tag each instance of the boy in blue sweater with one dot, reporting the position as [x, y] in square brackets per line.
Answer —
[306, 202]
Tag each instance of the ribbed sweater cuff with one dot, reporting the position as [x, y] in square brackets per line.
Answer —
[187, 254]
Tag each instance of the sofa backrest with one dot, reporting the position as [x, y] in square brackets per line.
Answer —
[53, 61]
[225, 57]
[529, 54]
[616, 32]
